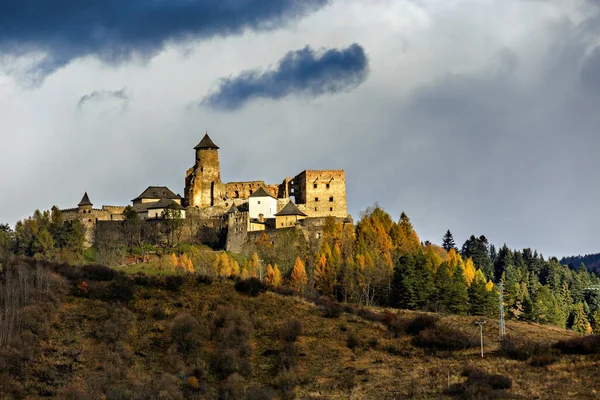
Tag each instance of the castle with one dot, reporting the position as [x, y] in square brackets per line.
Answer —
[299, 202]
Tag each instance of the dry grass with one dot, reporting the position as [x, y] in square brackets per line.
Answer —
[391, 368]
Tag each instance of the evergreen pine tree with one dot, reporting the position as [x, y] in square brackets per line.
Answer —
[448, 241]
[478, 294]
[403, 283]
[596, 322]
[580, 321]
[457, 299]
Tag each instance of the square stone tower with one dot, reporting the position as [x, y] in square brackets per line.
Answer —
[203, 186]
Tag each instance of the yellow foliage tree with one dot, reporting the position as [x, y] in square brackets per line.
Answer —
[235, 269]
[173, 262]
[299, 278]
[454, 261]
[470, 271]
[253, 266]
[489, 286]
[270, 274]
[225, 269]
[190, 266]
[435, 256]
[324, 275]
[276, 276]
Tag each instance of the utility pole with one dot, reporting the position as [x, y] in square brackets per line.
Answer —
[260, 262]
[501, 326]
[480, 323]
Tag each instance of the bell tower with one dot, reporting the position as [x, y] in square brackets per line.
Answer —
[203, 180]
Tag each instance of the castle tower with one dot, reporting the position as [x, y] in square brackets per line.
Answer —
[203, 184]
[85, 205]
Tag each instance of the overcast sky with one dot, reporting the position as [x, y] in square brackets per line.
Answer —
[479, 116]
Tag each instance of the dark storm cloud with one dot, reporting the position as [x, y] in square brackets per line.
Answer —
[304, 71]
[116, 30]
[99, 95]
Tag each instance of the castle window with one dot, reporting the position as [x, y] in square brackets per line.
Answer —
[331, 199]
[90, 220]
[282, 224]
[327, 185]
[315, 186]
[258, 201]
[251, 191]
[330, 208]
[237, 193]
[316, 199]
[315, 208]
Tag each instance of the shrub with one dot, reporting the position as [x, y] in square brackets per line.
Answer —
[233, 388]
[227, 361]
[186, 334]
[541, 360]
[349, 378]
[480, 385]
[286, 382]
[444, 338]
[284, 291]
[373, 341]
[353, 341]
[116, 326]
[331, 309]
[173, 283]
[233, 331]
[260, 393]
[371, 315]
[99, 273]
[521, 349]
[204, 280]
[287, 358]
[251, 286]
[121, 289]
[579, 345]
[290, 330]
[420, 323]
[396, 325]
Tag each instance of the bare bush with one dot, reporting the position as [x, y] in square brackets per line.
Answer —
[186, 334]
[117, 326]
[291, 330]
[579, 345]
[444, 338]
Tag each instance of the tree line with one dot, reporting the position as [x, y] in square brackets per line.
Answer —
[378, 261]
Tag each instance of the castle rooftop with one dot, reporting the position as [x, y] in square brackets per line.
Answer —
[261, 192]
[290, 209]
[85, 201]
[206, 143]
[157, 192]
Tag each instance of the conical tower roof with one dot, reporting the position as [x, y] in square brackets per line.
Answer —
[85, 201]
[206, 143]
[290, 209]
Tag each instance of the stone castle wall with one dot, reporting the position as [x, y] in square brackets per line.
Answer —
[321, 192]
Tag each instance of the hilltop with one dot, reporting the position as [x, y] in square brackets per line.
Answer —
[188, 336]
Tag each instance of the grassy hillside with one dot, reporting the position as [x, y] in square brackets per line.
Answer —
[193, 338]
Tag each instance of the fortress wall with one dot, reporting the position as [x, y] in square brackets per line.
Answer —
[243, 190]
[323, 192]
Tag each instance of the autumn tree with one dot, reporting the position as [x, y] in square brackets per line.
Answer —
[299, 278]
[325, 271]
